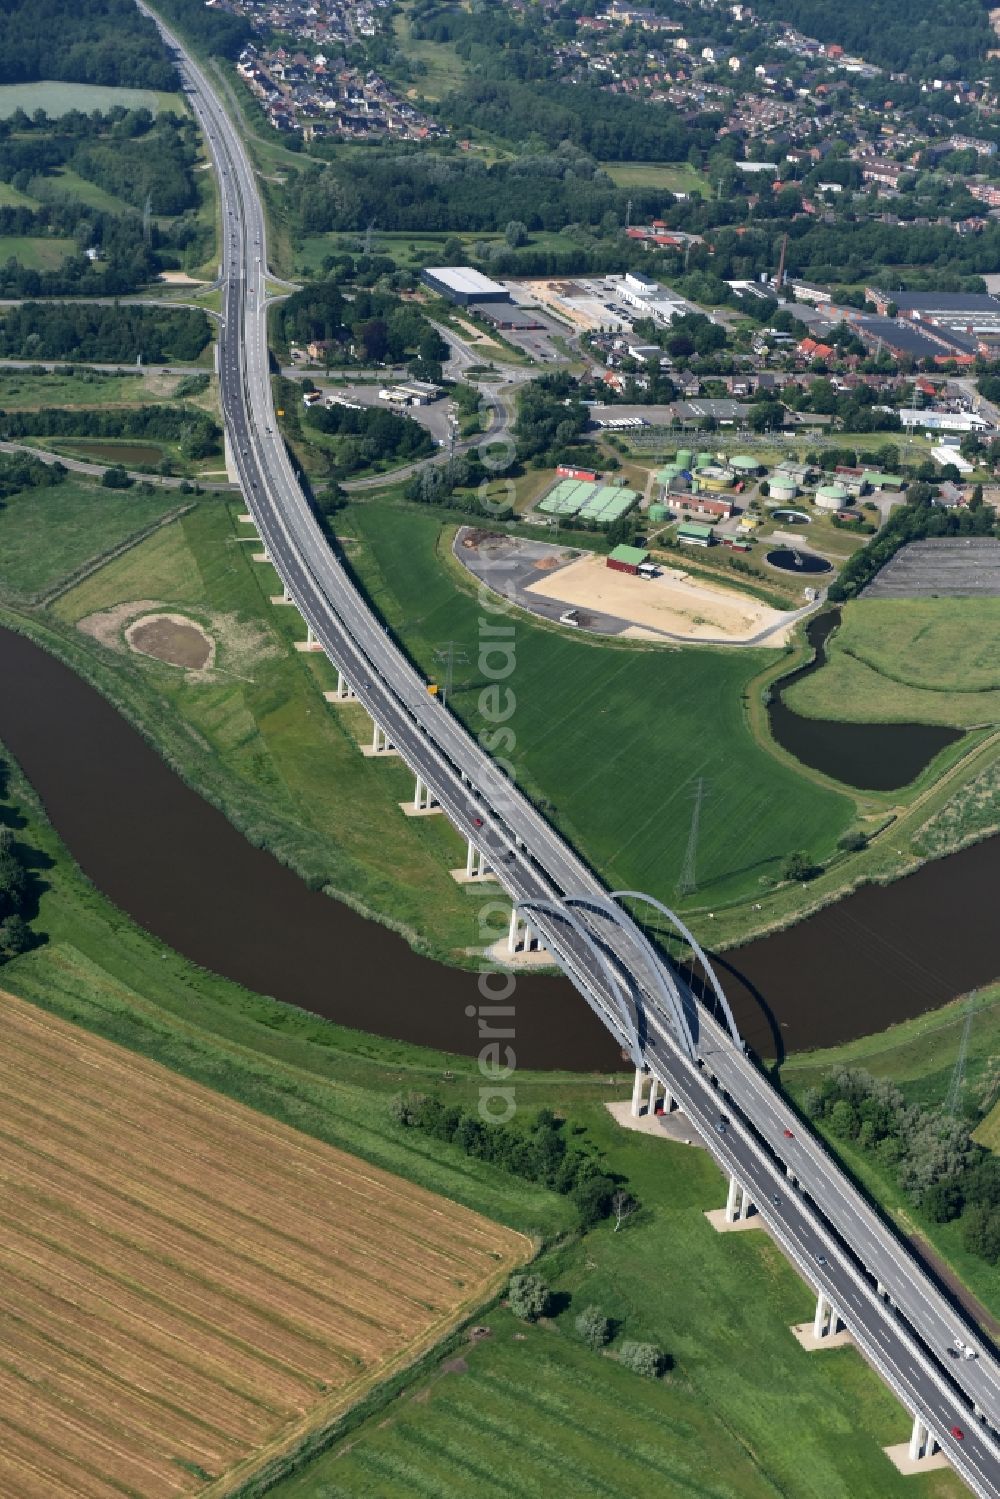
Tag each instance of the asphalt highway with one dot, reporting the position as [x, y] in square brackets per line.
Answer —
[905, 1330]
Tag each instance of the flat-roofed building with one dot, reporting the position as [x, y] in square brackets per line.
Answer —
[462, 285]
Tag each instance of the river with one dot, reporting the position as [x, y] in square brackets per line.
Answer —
[181, 870]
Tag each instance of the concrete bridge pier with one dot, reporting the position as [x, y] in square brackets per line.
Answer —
[637, 1091]
[423, 803]
[521, 936]
[739, 1203]
[922, 1441]
[827, 1322]
[310, 643]
[381, 743]
[476, 867]
[344, 692]
[654, 1093]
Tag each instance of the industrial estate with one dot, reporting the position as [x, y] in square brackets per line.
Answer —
[499, 749]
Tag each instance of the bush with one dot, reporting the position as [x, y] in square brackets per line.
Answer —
[799, 866]
[117, 477]
[528, 1297]
[853, 842]
[643, 1358]
[594, 1327]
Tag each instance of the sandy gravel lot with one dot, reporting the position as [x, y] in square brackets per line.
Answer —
[674, 603]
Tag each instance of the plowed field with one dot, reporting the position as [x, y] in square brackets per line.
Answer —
[186, 1286]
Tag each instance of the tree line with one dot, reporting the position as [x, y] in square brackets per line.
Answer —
[103, 334]
[930, 1154]
[20, 471]
[197, 432]
[541, 1153]
[917, 519]
[82, 41]
[433, 192]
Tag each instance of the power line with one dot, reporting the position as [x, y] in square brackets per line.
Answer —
[958, 1074]
[448, 655]
[688, 882]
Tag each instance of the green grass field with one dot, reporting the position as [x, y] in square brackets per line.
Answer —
[609, 740]
[908, 660]
[439, 69]
[22, 390]
[744, 1412]
[10, 197]
[285, 766]
[47, 534]
[58, 98]
[35, 252]
[671, 176]
[63, 182]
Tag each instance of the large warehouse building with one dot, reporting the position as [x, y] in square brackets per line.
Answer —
[463, 286]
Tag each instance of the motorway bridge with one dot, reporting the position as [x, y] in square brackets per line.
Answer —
[865, 1278]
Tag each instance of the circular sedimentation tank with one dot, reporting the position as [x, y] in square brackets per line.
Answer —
[807, 564]
[831, 496]
[790, 517]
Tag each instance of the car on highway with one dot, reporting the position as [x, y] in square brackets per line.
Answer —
[821, 1259]
[958, 1433]
[788, 1134]
[722, 1124]
[776, 1199]
[477, 822]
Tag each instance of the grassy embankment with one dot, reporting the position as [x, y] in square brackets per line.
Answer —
[257, 737]
[920, 1056]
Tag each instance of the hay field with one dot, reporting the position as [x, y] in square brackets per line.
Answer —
[186, 1286]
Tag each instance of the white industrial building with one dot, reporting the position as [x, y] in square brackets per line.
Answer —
[943, 421]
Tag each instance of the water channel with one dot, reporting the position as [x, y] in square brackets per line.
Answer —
[870, 756]
[180, 869]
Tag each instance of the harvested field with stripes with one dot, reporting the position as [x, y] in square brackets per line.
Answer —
[186, 1287]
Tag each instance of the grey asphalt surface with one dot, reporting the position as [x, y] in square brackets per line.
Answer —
[824, 1213]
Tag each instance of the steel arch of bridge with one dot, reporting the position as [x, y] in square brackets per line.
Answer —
[662, 976]
[618, 994]
[688, 935]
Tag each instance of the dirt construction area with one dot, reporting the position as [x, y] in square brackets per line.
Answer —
[673, 604]
[171, 638]
[187, 1287]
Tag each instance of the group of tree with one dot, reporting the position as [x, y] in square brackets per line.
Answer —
[949, 37]
[551, 417]
[131, 153]
[607, 127]
[930, 1152]
[541, 1153]
[211, 29]
[374, 327]
[369, 436]
[103, 333]
[15, 893]
[457, 486]
[83, 41]
[529, 1297]
[432, 191]
[917, 519]
[19, 471]
[196, 431]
